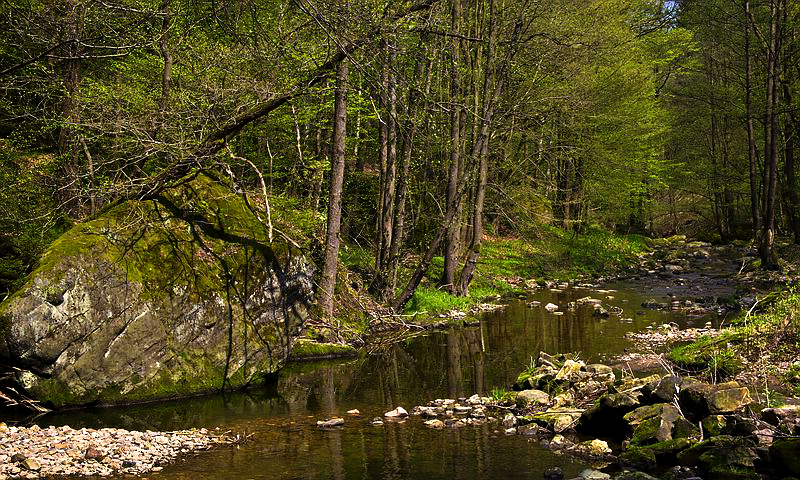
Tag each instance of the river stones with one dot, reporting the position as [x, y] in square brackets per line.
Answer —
[532, 397]
[398, 412]
[46, 452]
[331, 422]
[665, 389]
[606, 415]
[723, 456]
[703, 399]
[558, 419]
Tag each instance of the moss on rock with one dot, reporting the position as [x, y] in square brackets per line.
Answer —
[172, 296]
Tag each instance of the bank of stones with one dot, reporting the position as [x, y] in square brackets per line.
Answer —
[666, 425]
[35, 452]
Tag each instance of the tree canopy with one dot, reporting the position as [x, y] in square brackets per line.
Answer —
[459, 116]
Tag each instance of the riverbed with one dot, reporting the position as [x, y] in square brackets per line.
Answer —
[279, 418]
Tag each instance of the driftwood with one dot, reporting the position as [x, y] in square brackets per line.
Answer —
[13, 397]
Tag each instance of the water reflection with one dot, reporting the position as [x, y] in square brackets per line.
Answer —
[281, 416]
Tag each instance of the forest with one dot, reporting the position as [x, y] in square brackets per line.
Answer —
[409, 130]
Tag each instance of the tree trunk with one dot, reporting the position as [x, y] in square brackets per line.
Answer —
[453, 175]
[327, 282]
[381, 244]
[166, 72]
[409, 132]
[755, 207]
[768, 259]
[792, 197]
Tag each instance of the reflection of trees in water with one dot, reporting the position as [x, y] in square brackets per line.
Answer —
[456, 363]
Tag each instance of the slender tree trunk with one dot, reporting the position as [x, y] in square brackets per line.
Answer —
[383, 149]
[409, 132]
[166, 72]
[388, 178]
[71, 71]
[359, 165]
[767, 254]
[318, 175]
[451, 241]
[425, 262]
[755, 207]
[791, 130]
[327, 282]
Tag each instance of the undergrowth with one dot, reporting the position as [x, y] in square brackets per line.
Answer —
[756, 347]
[506, 263]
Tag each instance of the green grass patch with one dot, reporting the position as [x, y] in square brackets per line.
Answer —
[433, 300]
[356, 257]
[506, 262]
[309, 349]
[770, 337]
[710, 355]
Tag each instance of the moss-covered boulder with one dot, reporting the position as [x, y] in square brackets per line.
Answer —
[703, 399]
[785, 454]
[605, 417]
[182, 293]
[657, 423]
[723, 457]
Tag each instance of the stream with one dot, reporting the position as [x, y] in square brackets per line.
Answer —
[280, 418]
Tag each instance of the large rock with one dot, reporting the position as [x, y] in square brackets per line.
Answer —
[532, 397]
[167, 297]
[604, 418]
[658, 423]
[786, 418]
[665, 389]
[784, 454]
[558, 419]
[702, 399]
[723, 457]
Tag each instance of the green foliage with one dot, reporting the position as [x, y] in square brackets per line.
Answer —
[356, 258]
[710, 355]
[433, 300]
[501, 395]
[29, 215]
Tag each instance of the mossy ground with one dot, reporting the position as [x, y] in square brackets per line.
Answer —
[305, 349]
[762, 350]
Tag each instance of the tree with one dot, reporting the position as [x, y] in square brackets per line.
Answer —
[331, 262]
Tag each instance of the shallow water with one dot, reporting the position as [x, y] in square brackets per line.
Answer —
[280, 418]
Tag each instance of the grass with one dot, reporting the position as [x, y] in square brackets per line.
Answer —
[433, 300]
[756, 346]
[507, 262]
[303, 348]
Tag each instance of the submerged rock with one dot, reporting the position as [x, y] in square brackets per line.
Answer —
[157, 298]
[331, 422]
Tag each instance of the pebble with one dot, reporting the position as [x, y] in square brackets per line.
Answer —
[36, 452]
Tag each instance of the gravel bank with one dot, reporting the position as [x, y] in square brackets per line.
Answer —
[35, 452]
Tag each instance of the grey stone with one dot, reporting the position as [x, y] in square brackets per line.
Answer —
[112, 315]
[532, 397]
